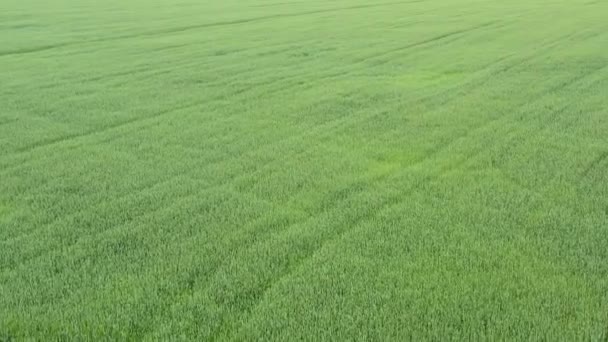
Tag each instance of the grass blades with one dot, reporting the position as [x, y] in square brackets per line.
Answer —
[304, 170]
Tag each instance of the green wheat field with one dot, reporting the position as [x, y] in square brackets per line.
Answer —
[287, 170]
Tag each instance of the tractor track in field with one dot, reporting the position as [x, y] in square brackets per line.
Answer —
[25, 51]
[440, 37]
[597, 161]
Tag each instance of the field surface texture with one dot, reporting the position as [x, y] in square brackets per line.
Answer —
[304, 170]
